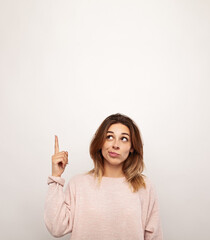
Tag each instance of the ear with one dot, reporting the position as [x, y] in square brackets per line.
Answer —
[131, 150]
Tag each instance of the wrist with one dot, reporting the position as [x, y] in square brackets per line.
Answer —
[56, 175]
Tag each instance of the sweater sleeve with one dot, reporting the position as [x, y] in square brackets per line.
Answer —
[151, 217]
[59, 207]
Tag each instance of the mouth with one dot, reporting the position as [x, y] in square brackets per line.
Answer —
[113, 154]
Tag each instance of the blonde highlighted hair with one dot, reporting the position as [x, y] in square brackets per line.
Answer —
[133, 166]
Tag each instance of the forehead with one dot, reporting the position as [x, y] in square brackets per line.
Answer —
[119, 128]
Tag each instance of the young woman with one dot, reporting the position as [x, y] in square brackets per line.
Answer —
[114, 200]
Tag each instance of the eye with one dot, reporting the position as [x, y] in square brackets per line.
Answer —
[125, 138]
[108, 137]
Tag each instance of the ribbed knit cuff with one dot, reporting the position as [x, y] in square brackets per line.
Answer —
[59, 180]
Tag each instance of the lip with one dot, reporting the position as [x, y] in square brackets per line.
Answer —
[113, 154]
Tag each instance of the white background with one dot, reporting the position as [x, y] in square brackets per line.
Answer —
[67, 65]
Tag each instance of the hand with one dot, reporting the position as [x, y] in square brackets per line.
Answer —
[59, 160]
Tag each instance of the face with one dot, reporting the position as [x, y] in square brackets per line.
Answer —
[117, 145]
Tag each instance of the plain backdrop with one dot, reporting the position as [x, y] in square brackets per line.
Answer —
[66, 65]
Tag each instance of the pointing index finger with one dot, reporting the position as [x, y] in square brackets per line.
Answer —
[56, 145]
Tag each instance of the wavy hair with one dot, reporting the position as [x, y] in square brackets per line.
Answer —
[133, 166]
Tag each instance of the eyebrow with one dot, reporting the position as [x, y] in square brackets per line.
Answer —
[121, 133]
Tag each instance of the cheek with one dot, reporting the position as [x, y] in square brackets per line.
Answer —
[103, 149]
[127, 149]
[106, 145]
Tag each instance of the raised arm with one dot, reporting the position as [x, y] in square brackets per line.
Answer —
[59, 205]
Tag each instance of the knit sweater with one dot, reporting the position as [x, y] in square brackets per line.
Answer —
[110, 211]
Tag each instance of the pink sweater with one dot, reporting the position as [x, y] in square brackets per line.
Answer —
[111, 212]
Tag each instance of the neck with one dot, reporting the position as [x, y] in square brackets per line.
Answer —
[113, 171]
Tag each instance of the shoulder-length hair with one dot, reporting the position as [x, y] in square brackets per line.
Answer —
[133, 166]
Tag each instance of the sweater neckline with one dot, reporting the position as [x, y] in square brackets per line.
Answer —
[113, 179]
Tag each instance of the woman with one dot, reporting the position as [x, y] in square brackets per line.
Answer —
[113, 201]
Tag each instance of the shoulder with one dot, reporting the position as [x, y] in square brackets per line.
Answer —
[150, 187]
[148, 182]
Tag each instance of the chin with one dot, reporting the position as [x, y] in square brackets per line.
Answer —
[114, 161]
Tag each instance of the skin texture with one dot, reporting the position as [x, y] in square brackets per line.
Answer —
[118, 142]
[59, 160]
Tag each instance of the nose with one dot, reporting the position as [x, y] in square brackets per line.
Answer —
[116, 144]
